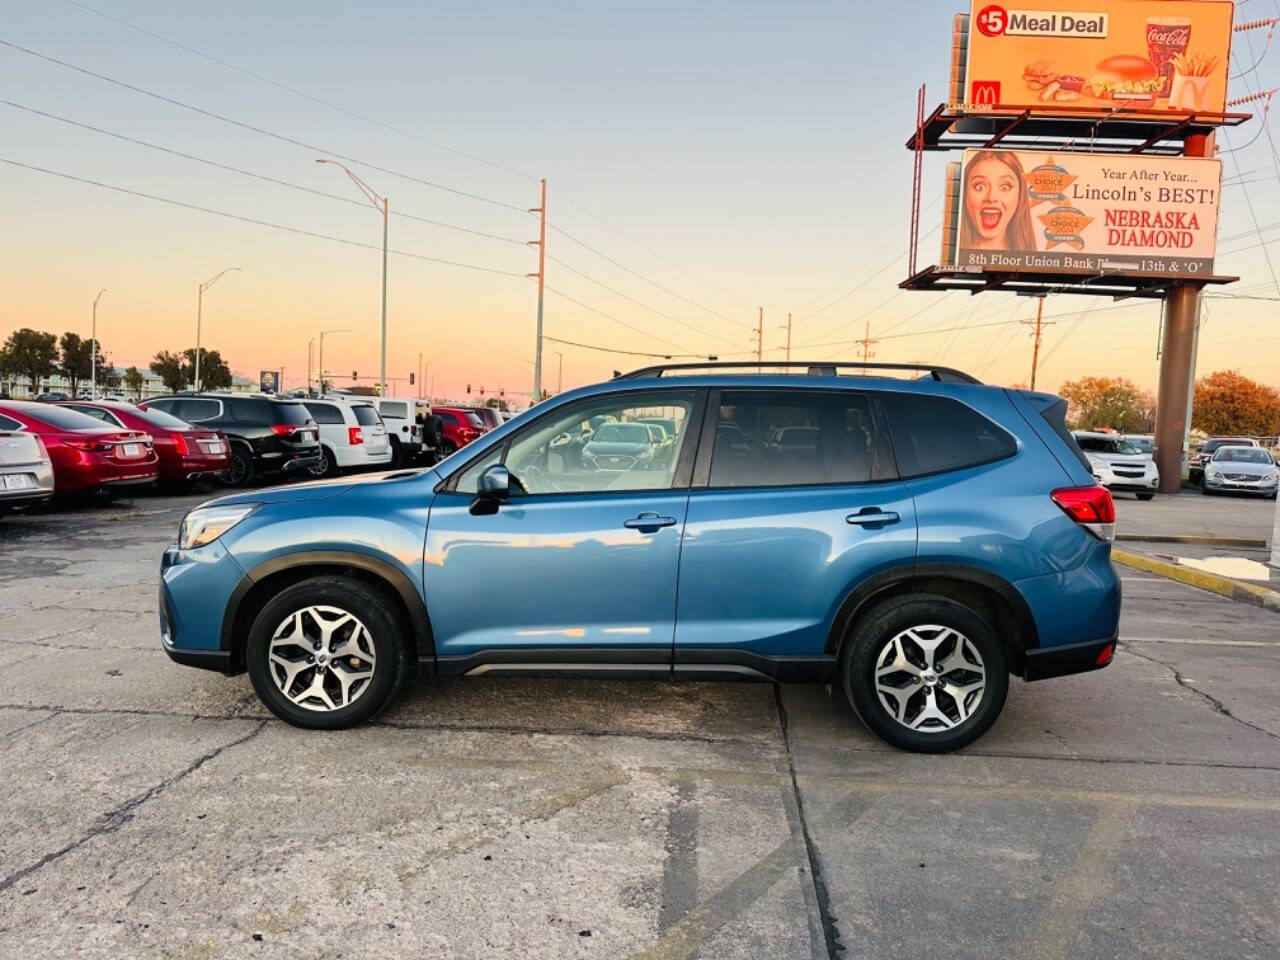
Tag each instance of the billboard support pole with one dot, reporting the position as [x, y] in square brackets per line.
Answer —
[1177, 364]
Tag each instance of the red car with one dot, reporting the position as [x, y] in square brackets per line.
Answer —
[186, 452]
[461, 426]
[87, 454]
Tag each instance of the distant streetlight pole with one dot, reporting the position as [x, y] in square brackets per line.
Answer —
[310, 366]
[380, 203]
[93, 355]
[199, 313]
[560, 375]
[320, 372]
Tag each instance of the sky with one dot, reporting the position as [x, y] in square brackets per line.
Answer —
[703, 160]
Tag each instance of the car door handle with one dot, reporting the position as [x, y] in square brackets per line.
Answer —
[872, 515]
[649, 522]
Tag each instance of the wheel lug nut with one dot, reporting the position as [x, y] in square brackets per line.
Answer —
[310, 659]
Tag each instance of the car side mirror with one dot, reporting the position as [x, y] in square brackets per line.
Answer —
[492, 488]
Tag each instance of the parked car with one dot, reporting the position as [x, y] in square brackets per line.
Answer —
[404, 429]
[459, 426]
[1195, 469]
[943, 536]
[26, 472]
[1241, 469]
[1118, 465]
[622, 446]
[490, 418]
[268, 437]
[51, 396]
[185, 452]
[352, 436]
[88, 456]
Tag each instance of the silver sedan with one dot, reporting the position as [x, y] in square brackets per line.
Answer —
[26, 473]
[1241, 470]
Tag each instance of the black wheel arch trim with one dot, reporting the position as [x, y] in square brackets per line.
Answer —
[866, 592]
[395, 579]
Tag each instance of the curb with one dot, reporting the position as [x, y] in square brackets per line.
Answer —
[1222, 586]
[1192, 538]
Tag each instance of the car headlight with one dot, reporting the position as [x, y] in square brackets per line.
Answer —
[206, 524]
[1213, 472]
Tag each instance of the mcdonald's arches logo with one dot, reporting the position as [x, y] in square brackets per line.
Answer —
[986, 92]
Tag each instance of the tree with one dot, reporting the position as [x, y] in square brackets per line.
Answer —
[76, 360]
[497, 403]
[133, 381]
[214, 372]
[1227, 403]
[32, 354]
[1107, 402]
[170, 368]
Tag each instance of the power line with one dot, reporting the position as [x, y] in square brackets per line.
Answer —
[609, 316]
[261, 130]
[644, 306]
[296, 92]
[253, 220]
[625, 353]
[586, 246]
[249, 173]
[671, 263]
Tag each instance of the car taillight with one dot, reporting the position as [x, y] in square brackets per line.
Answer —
[180, 444]
[355, 435]
[86, 443]
[1091, 507]
[282, 429]
[44, 451]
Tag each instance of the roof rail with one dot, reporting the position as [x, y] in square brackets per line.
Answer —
[817, 368]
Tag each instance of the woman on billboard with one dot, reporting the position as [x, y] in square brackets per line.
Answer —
[997, 214]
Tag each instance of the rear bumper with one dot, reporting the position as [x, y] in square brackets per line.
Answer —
[274, 461]
[1046, 662]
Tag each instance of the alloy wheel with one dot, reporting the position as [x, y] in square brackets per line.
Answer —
[321, 658]
[930, 678]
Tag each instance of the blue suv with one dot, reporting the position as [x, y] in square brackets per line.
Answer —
[914, 541]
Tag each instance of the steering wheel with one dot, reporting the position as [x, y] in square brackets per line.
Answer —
[540, 479]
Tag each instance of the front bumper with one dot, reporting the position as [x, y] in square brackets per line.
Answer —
[1127, 481]
[1258, 487]
[195, 587]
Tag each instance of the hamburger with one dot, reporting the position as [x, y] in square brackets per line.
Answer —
[1129, 80]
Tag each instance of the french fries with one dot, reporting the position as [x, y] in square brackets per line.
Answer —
[1193, 64]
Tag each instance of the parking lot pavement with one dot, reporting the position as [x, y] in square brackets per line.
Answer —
[1191, 513]
[155, 811]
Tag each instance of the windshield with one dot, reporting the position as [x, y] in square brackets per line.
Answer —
[621, 433]
[1143, 444]
[473, 418]
[1242, 455]
[1107, 445]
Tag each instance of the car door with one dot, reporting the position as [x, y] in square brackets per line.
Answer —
[579, 565]
[778, 533]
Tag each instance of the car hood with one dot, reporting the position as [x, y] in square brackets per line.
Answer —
[1122, 459]
[1249, 469]
[321, 489]
[630, 449]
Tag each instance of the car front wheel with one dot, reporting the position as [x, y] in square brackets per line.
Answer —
[326, 653]
[926, 673]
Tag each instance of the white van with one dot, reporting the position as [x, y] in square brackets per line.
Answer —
[352, 436]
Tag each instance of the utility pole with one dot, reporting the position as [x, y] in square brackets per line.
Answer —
[1035, 353]
[199, 315]
[419, 376]
[541, 243]
[310, 344]
[560, 375]
[93, 354]
[867, 343]
[788, 329]
[760, 337]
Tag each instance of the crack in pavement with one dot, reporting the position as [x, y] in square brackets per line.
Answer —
[1217, 705]
[117, 818]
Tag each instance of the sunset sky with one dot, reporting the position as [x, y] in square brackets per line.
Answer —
[719, 155]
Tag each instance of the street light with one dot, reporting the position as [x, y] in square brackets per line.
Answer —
[379, 203]
[93, 355]
[560, 376]
[199, 312]
[320, 373]
[310, 346]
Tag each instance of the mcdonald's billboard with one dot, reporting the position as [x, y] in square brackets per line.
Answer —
[1138, 56]
[1021, 211]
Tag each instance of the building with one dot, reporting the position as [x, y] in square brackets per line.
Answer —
[152, 385]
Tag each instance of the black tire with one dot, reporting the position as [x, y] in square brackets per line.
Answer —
[397, 455]
[327, 467]
[385, 634]
[1204, 492]
[1146, 496]
[447, 448]
[241, 472]
[885, 622]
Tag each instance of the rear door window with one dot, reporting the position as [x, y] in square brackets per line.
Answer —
[193, 409]
[771, 438]
[938, 434]
[391, 408]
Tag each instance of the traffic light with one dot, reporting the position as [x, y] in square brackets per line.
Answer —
[502, 392]
[353, 375]
[468, 388]
[411, 378]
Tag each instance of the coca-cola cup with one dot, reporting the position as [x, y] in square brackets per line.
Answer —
[1166, 38]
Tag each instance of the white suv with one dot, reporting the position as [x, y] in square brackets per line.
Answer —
[352, 436]
[1118, 464]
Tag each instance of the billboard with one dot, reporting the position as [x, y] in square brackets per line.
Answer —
[1140, 56]
[269, 381]
[1022, 211]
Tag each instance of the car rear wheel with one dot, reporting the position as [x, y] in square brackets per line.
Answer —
[397, 454]
[240, 473]
[926, 673]
[326, 653]
[447, 448]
